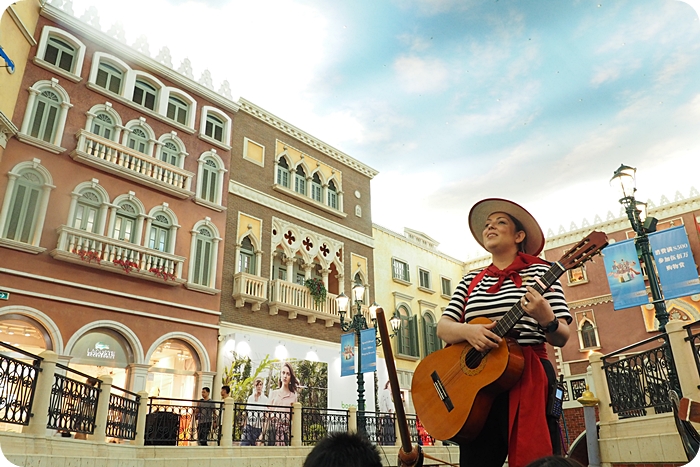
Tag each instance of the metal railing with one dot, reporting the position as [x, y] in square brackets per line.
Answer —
[379, 427]
[123, 414]
[641, 381]
[119, 256]
[73, 403]
[17, 385]
[181, 422]
[249, 422]
[693, 330]
[118, 159]
[418, 433]
[317, 423]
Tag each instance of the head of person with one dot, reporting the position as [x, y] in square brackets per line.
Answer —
[287, 377]
[555, 461]
[502, 226]
[257, 386]
[225, 391]
[343, 450]
[205, 392]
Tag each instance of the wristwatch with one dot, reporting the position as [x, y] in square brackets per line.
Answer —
[550, 327]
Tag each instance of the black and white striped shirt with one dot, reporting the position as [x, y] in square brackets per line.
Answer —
[494, 306]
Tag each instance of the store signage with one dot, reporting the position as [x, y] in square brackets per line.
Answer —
[4, 295]
[101, 350]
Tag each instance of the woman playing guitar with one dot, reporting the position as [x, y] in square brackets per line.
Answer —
[517, 424]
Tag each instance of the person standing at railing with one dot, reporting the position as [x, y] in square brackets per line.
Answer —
[253, 421]
[386, 407]
[285, 395]
[205, 417]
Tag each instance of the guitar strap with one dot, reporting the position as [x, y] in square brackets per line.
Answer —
[470, 289]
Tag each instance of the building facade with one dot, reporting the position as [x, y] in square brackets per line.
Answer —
[113, 211]
[416, 282]
[300, 212]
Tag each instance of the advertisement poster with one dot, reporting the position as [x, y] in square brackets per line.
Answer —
[347, 354]
[368, 347]
[674, 262]
[624, 275]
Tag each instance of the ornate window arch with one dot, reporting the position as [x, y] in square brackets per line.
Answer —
[204, 253]
[283, 172]
[210, 180]
[127, 218]
[109, 72]
[215, 127]
[24, 206]
[162, 229]
[45, 116]
[408, 332]
[139, 136]
[104, 121]
[171, 149]
[432, 341]
[179, 106]
[61, 52]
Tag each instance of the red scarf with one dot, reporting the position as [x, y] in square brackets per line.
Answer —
[520, 262]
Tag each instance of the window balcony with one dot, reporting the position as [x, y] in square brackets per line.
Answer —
[116, 159]
[249, 288]
[112, 255]
[296, 299]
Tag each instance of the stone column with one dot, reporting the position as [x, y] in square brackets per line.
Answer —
[605, 411]
[99, 434]
[141, 420]
[137, 375]
[296, 424]
[227, 423]
[686, 368]
[42, 394]
[352, 419]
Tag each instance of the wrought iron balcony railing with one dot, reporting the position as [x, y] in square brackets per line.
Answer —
[109, 254]
[249, 288]
[120, 160]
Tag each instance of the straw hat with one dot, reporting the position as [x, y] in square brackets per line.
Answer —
[534, 238]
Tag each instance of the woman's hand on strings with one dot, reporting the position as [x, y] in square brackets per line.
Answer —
[536, 306]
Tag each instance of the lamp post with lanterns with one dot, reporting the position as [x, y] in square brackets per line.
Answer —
[642, 225]
[357, 324]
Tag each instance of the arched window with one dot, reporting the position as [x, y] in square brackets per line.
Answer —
[159, 236]
[203, 258]
[432, 342]
[125, 222]
[300, 180]
[209, 187]
[60, 53]
[170, 153]
[214, 127]
[144, 94]
[87, 211]
[45, 116]
[246, 260]
[316, 188]
[210, 180]
[138, 140]
[332, 195]
[103, 125]
[177, 110]
[109, 77]
[23, 213]
[408, 333]
[588, 335]
[283, 172]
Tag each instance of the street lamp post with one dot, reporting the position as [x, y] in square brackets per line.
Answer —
[357, 325]
[642, 225]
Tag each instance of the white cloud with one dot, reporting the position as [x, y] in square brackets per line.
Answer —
[614, 69]
[421, 75]
[436, 7]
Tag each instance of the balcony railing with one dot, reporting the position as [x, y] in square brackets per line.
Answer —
[109, 254]
[112, 157]
[17, 384]
[249, 288]
[296, 299]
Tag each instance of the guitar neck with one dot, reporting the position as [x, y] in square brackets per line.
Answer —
[508, 321]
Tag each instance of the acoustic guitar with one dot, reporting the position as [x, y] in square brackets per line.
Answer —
[453, 388]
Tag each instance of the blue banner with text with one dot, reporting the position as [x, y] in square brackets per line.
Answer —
[624, 275]
[347, 354]
[674, 262]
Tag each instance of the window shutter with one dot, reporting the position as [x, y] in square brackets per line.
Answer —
[413, 339]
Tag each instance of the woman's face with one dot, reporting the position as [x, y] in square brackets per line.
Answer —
[499, 232]
[286, 375]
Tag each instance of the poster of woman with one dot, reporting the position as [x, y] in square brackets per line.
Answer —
[624, 275]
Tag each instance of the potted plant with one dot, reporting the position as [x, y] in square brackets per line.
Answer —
[317, 289]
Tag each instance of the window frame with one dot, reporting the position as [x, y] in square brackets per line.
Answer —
[194, 262]
[406, 279]
[424, 272]
[54, 145]
[225, 142]
[442, 287]
[219, 171]
[283, 171]
[407, 335]
[146, 88]
[49, 32]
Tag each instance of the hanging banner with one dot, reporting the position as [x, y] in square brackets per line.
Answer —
[674, 262]
[624, 275]
[347, 354]
[368, 348]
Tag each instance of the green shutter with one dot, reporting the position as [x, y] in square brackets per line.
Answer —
[413, 339]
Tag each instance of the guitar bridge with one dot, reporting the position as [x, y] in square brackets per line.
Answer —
[442, 393]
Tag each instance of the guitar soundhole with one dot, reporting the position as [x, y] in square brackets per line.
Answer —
[473, 359]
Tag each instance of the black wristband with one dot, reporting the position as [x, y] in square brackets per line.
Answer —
[551, 326]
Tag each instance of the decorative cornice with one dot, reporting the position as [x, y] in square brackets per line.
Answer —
[296, 212]
[416, 244]
[305, 138]
[7, 129]
[21, 26]
[133, 56]
[590, 302]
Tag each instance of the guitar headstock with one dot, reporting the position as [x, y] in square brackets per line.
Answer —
[584, 250]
